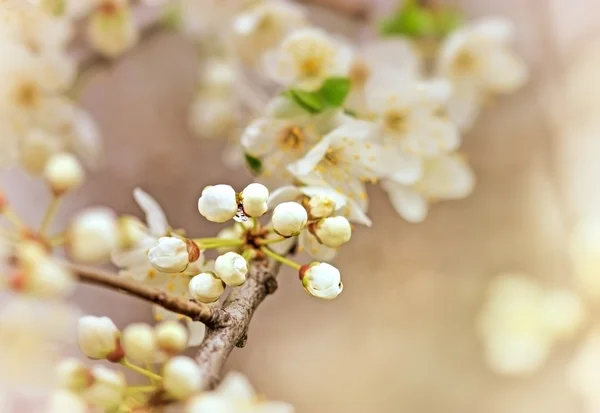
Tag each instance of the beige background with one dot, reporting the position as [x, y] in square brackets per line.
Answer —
[401, 337]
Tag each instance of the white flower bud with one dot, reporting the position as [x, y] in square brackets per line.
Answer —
[289, 218]
[171, 337]
[139, 343]
[73, 375]
[169, 255]
[218, 203]
[93, 235]
[108, 390]
[333, 231]
[62, 401]
[206, 287]
[321, 206]
[64, 173]
[232, 268]
[321, 280]
[254, 200]
[181, 377]
[50, 279]
[99, 338]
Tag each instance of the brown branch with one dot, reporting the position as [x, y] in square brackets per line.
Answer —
[213, 317]
[240, 306]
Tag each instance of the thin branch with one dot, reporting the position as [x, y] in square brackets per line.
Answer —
[240, 306]
[211, 316]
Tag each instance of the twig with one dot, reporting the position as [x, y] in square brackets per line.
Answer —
[211, 316]
[240, 306]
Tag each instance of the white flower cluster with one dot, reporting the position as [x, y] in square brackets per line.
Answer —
[521, 321]
[351, 116]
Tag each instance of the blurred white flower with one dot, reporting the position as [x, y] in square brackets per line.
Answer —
[181, 377]
[98, 338]
[107, 391]
[62, 401]
[443, 178]
[584, 372]
[139, 343]
[171, 337]
[584, 250]
[518, 323]
[111, 29]
[205, 17]
[234, 394]
[478, 61]
[306, 58]
[93, 235]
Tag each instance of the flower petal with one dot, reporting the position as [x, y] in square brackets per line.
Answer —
[408, 203]
[155, 216]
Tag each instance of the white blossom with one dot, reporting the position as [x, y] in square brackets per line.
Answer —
[93, 235]
[321, 280]
[64, 173]
[139, 343]
[478, 61]
[98, 337]
[584, 372]
[306, 58]
[254, 199]
[206, 287]
[218, 203]
[73, 375]
[107, 390]
[289, 218]
[333, 231]
[181, 377]
[232, 268]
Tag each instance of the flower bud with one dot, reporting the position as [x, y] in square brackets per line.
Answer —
[62, 401]
[93, 235]
[254, 200]
[171, 337]
[321, 206]
[73, 375]
[99, 338]
[131, 231]
[218, 203]
[232, 268]
[139, 343]
[64, 173]
[206, 287]
[181, 377]
[169, 255]
[289, 218]
[321, 280]
[333, 231]
[50, 279]
[108, 390]
[111, 29]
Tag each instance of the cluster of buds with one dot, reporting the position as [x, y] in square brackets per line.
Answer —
[220, 203]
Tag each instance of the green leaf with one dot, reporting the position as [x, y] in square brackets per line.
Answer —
[415, 20]
[254, 164]
[331, 94]
[446, 21]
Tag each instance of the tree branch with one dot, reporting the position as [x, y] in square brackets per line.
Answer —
[240, 306]
[213, 317]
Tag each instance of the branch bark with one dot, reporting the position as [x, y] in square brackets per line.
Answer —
[213, 317]
[240, 307]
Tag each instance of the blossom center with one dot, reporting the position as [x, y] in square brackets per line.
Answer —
[395, 120]
[465, 62]
[359, 73]
[27, 95]
[292, 138]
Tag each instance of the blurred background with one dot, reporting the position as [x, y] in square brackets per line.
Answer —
[402, 336]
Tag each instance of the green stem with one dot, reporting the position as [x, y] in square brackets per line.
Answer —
[140, 370]
[140, 389]
[50, 214]
[269, 241]
[12, 216]
[222, 243]
[280, 258]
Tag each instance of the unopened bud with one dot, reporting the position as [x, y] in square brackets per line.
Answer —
[333, 231]
[254, 200]
[289, 218]
[218, 203]
[139, 343]
[181, 377]
[171, 337]
[64, 173]
[108, 390]
[93, 235]
[170, 255]
[232, 268]
[98, 337]
[321, 206]
[321, 280]
[73, 375]
[206, 287]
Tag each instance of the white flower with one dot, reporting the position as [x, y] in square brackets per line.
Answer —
[520, 323]
[478, 61]
[172, 255]
[584, 372]
[306, 58]
[333, 231]
[73, 375]
[346, 158]
[289, 218]
[254, 199]
[213, 116]
[181, 377]
[205, 17]
[206, 287]
[264, 25]
[234, 394]
[321, 280]
[444, 178]
[232, 268]
[98, 338]
[218, 203]
[284, 135]
[171, 337]
[63, 173]
[111, 29]
[62, 401]
[93, 235]
[584, 250]
[139, 343]
[108, 389]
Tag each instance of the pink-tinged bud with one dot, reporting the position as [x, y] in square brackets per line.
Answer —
[302, 271]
